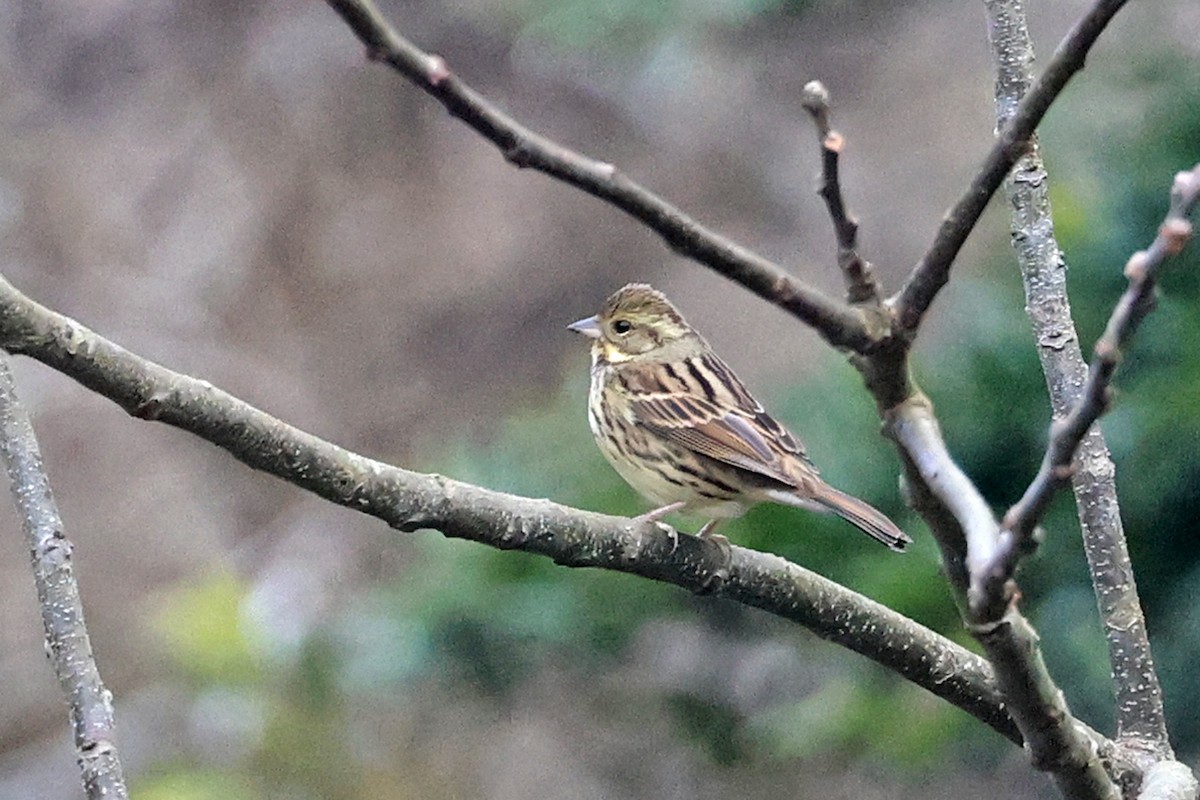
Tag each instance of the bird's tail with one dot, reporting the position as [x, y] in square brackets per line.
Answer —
[862, 516]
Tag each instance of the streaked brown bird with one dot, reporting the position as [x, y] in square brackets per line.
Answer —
[682, 430]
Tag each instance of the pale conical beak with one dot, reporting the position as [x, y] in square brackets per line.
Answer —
[589, 327]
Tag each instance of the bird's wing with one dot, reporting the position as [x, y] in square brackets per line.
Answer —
[701, 405]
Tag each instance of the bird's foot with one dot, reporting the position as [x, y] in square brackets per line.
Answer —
[657, 514]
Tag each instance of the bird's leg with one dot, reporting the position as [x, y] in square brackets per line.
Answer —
[659, 513]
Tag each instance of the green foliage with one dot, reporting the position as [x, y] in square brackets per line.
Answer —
[193, 784]
[204, 629]
[714, 727]
[855, 713]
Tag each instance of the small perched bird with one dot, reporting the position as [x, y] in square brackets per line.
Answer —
[682, 430]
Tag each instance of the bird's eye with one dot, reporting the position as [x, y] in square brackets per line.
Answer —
[622, 326]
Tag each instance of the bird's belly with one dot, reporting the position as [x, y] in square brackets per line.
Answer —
[664, 472]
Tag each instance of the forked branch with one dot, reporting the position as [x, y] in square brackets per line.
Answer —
[838, 323]
[1139, 707]
[1066, 434]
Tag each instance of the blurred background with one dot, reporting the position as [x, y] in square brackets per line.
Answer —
[231, 190]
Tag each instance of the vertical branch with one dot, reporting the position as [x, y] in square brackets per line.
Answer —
[857, 271]
[67, 641]
[1138, 694]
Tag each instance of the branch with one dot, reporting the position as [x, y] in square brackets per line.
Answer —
[1056, 742]
[1169, 780]
[962, 520]
[409, 501]
[1139, 705]
[957, 513]
[840, 325]
[67, 641]
[933, 270]
[860, 277]
[1066, 434]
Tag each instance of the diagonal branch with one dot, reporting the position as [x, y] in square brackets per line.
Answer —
[933, 270]
[408, 501]
[1139, 704]
[67, 642]
[841, 325]
[1066, 434]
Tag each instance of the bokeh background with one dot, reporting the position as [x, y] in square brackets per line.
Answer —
[229, 189]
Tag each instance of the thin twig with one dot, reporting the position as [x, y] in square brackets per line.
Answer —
[933, 270]
[67, 640]
[857, 271]
[1140, 713]
[408, 501]
[1066, 434]
[838, 323]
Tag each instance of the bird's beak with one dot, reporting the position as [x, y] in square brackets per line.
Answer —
[589, 327]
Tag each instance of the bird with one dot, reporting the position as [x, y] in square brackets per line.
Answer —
[680, 427]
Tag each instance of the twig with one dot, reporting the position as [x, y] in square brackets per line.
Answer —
[408, 501]
[933, 270]
[1066, 434]
[839, 324]
[67, 641]
[857, 271]
[1139, 704]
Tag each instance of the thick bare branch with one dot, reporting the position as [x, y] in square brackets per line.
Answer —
[1169, 780]
[1056, 743]
[1139, 704]
[966, 529]
[841, 325]
[933, 270]
[857, 271]
[957, 513]
[408, 501]
[968, 536]
[67, 640]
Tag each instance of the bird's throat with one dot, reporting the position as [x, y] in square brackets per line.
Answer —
[612, 354]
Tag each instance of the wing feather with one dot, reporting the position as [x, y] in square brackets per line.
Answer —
[717, 418]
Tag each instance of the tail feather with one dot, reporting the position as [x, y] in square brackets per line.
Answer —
[867, 519]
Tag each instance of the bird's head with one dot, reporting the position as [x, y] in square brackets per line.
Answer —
[637, 320]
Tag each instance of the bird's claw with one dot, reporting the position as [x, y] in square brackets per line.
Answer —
[716, 579]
